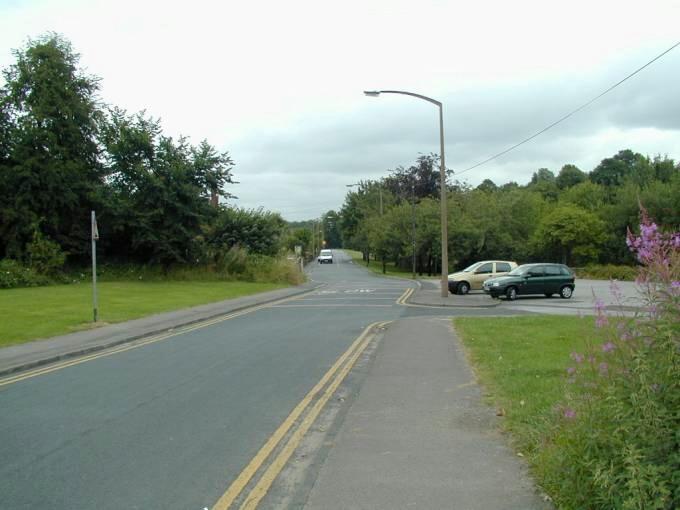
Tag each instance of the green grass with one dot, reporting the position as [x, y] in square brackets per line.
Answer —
[376, 266]
[41, 312]
[522, 362]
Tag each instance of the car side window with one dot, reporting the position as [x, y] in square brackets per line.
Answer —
[552, 271]
[502, 267]
[485, 268]
[565, 271]
[536, 271]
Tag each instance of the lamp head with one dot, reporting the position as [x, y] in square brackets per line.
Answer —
[372, 93]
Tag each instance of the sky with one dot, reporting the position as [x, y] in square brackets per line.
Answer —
[279, 85]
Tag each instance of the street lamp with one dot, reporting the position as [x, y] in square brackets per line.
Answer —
[442, 182]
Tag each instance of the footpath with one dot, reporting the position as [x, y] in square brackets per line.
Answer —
[419, 436]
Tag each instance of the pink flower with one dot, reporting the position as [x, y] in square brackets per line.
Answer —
[608, 347]
[571, 370]
[568, 413]
[603, 368]
[578, 358]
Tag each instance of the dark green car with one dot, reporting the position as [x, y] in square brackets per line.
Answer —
[546, 279]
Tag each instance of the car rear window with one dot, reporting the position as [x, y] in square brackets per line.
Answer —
[565, 271]
[502, 267]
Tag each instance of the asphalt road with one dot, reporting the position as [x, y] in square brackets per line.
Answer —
[170, 425]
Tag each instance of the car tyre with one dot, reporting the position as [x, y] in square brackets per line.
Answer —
[566, 292]
[511, 293]
[463, 288]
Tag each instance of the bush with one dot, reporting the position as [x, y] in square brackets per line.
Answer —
[13, 275]
[45, 256]
[616, 438]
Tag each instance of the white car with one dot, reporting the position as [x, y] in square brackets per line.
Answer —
[325, 257]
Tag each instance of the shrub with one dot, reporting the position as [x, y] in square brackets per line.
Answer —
[44, 256]
[616, 438]
[13, 275]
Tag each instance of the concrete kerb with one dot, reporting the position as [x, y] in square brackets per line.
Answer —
[431, 298]
[39, 360]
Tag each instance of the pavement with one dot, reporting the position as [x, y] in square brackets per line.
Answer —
[418, 434]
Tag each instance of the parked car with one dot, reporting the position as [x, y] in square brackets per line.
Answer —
[474, 276]
[325, 257]
[547, 279]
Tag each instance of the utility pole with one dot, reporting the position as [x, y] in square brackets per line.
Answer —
[413, 221]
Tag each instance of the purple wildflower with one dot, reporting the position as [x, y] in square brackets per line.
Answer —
[568, 413]
[571, 370]
[578, 358]
[608, 347]
[603, 368]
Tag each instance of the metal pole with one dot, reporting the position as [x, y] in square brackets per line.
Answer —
[94, 236]
[442, 183]
[413, 221]
[443, 198]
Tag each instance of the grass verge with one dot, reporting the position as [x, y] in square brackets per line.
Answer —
[522, 362]
[375, 266]
[41, 312]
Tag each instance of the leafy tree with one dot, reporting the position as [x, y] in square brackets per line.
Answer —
[571, 233]
[543, 181]
[488, 186]
[626, 164]
[569, 176]
[49, 168]
[331, 229]
[259, 231]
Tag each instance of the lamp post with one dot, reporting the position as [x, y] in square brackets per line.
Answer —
[442, 182]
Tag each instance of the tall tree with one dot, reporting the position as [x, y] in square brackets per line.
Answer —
[49, 170]
[570, 175]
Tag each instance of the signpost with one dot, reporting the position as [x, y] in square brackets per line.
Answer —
[94, 237]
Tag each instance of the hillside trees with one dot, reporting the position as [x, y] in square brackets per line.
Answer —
[551, 218]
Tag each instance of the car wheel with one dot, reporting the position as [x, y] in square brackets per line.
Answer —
[548, 294]
[566, 292]
[511, 293]
[463, 288]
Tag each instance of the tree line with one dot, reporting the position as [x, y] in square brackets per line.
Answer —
[574, 217]
[63, 153]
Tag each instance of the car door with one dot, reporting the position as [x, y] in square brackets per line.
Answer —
[553, 279]
[534, 282]
[481, 274]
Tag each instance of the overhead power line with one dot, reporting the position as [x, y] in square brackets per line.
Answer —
[570, 113]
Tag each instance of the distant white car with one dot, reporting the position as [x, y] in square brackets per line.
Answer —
[325, 257]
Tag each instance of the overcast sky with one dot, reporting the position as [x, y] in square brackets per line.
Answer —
[279, 84]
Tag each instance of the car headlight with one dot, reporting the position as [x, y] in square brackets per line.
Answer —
[494, 284]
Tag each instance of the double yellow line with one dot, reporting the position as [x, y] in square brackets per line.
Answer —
[407, 294]
[320, 395]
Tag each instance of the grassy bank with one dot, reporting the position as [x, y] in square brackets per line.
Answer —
[41, 312]
[522, 362]
[376, 266]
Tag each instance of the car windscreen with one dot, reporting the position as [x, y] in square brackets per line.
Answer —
[519, 271]
[325, 252]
